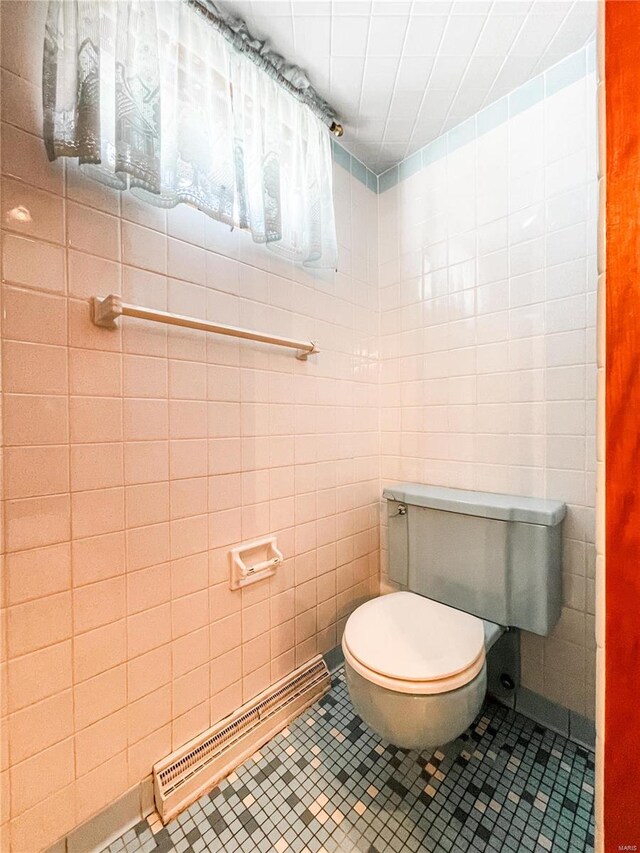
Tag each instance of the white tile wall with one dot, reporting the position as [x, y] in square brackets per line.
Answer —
[487, 293]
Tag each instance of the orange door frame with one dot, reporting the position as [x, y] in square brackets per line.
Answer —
[622, 627]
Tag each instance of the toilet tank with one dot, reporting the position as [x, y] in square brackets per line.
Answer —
[496, 556]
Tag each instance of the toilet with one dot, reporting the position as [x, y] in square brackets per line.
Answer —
[471, 565]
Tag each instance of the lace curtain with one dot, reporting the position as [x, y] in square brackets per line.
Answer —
[151, 98]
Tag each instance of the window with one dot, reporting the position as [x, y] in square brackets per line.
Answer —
[154, 99]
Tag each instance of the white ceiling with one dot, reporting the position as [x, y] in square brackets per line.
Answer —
[402, 72]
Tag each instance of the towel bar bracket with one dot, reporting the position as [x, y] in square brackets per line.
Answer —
[106, 311]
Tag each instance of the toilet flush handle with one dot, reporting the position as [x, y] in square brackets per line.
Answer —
[402, 510]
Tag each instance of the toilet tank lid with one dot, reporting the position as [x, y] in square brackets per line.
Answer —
[483, 504]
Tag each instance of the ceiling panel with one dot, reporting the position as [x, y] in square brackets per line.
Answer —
[401, 73]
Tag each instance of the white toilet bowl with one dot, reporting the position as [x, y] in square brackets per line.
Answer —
[415, 668]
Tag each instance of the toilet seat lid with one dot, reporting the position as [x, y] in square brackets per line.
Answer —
[410, 638]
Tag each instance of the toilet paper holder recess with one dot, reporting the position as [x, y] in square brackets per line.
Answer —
[253, 561]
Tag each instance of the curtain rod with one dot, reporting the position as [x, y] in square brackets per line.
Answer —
[107, 309]
[291, 77]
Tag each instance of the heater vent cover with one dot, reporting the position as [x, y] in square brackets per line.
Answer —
[199, 765]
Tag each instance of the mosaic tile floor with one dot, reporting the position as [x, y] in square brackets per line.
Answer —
[327, 783]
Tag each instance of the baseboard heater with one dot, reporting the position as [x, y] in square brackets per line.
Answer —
[198, 766]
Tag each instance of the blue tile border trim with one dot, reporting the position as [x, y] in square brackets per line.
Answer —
[356, 167]
[388, 179]
[582, 730]
[359, 170]
[410, 166]
[340, 156]
[572, 68]
[541, 710]
[433, 151]
[527, 95]
[492, 116]
[564, 73]
[461, 134]
[334, 658]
